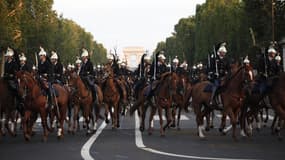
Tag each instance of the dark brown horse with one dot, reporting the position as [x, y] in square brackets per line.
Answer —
[232, 97]
[111, 95]
[82, 97]
[35, 101]
[7, 108]
[277, 95]
[163, 98]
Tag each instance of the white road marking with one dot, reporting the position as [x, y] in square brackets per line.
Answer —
[183, 117]
[140, 145]
[85, 150]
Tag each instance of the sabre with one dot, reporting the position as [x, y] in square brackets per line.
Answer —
[37, 61]
[154, 72]
[2, 65]
[170, 64]
[265, 63]
[216, 65]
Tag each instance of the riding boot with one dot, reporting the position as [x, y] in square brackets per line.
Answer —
[213, 94]
[20, 105]
[94, 96]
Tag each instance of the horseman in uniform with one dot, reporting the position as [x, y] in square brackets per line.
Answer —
[45, 75]
[175, 65]
[86, 73]
[219, 69]
[78, 63]
[57, 68]
[269, 68]
[23, 63]
[11, 67]
[158, 67]
[142, 73]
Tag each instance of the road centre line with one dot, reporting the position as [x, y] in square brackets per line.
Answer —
[140, 145]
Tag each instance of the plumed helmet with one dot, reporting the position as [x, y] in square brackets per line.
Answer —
[84, 53]
[110, 57]
[53, 55]
[246, 60]
[175, 60]
[42, 52]
[271, 50]
[278, 58]
[78, 61]
[161, 56]
[9, 52]
[22, 57]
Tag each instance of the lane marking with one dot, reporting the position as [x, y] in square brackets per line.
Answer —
[183, 117]
[140, 145]
[85, 150]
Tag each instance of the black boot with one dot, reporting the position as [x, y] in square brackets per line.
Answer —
[94, 94]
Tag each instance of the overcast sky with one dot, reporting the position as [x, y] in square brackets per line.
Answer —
[122, 23]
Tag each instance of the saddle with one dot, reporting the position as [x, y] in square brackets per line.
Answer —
[208, 88]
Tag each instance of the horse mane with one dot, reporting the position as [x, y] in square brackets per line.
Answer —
[228, 79]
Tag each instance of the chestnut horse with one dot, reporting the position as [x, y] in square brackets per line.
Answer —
[163, 98]
[82, 97]
[35, 101]
[232, 96]
[111, 95]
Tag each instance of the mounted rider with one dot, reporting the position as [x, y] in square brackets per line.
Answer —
[175, 65]
[86, 73]
[45, 75]
[220, 67]
[57, 68]
[142, 73]
[269, 68]
[23, 63]
[11, 67]
[78, 63]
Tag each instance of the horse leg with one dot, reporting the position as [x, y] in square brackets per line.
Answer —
[142, 123]
[75, 117]
[43, 115]
[178, 117]
[86, 114]
[10, 125]
[223, 122]
[173, 114]
[116, 116]
[162, 134]
[27, 115]
[233, 118]
[273, 124]
[63, 110]
[168, 117]
[150, 125]
[107, 111]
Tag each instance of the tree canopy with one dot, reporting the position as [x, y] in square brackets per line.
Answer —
[242, 24]
[26, 25]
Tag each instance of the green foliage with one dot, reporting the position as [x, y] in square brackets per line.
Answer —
[28, 24]
[229, 21]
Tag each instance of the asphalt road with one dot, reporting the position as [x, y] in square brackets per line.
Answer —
[128, 143]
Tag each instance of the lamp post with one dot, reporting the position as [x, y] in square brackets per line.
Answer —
[273, 20]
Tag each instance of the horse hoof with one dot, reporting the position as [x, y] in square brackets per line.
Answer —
[141, 129]
[27, 138]
[207, 129]
[44, 139]
[107, 121]
[149, 133]
[221, 129]
[211, 126]
[118, 126]
[258, 129]
[178, 128]
[173, 126]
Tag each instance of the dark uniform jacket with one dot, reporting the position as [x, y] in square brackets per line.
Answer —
[25, 67]
[223, 66]
[86, 69]
[45, 69]
[10, 69]
[58, 71]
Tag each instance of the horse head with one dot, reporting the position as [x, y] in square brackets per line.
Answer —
[108, 71]
[72, 78]
[26, 83]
